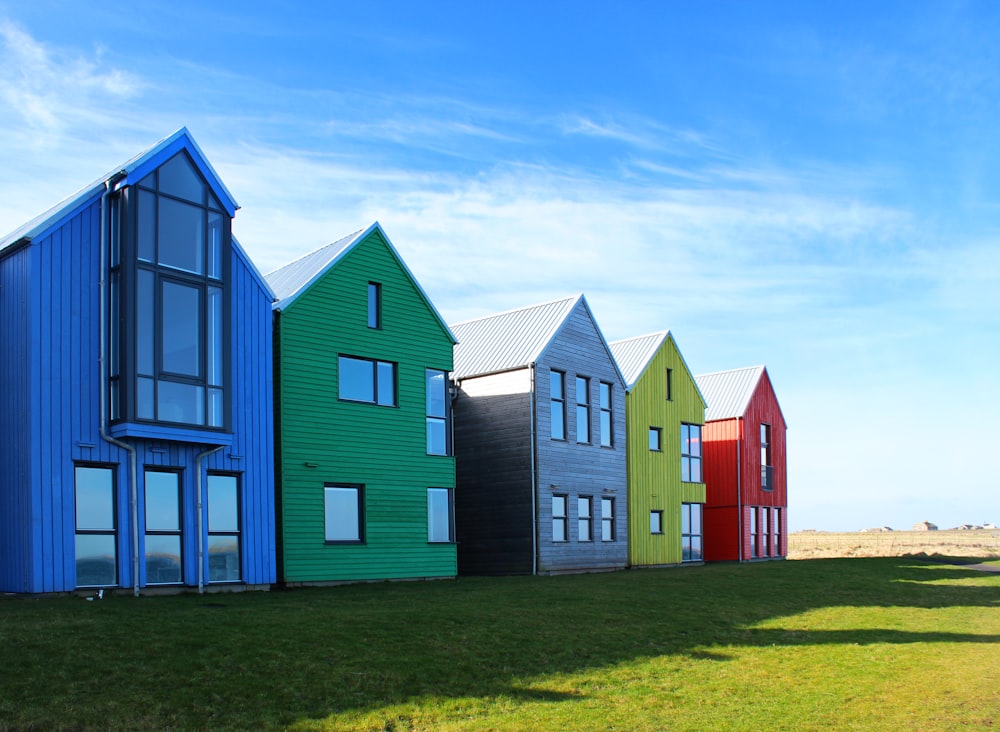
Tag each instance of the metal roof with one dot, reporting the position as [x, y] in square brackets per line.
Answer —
[133, 170]
[291, 280]
[508, 340]
[728, 393]
[634, 354]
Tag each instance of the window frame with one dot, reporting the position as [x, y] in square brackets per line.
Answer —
[359, 491]
[754, 549]
[658, 432]
[585, 520]
[690, 458]
[375, 305]
[375, 364]
[688, 534]
[94, 531]
[607, 432]
[658, 514]
[178, 532]
[130, 303]
[236, 533]
[450, 508]
[560, 519]
[766, 467]
[608, 532]
[443, 420]
[670, 385]
[582, 409]
[557, 404]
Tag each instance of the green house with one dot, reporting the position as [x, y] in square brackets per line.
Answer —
[664, 414]
[365, 474]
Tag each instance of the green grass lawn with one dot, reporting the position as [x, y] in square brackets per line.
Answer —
[894, 644]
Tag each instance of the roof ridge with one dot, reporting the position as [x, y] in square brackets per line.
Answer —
[489, 316]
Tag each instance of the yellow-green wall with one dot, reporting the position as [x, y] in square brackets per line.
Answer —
[654, 478]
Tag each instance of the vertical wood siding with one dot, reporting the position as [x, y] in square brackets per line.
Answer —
[493, 503]
[654, 478]
[724, 439]
[564, 466]
[61, 392]
[382, 448]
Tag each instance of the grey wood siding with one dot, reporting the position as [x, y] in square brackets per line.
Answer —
[493, 502]
[574, 469]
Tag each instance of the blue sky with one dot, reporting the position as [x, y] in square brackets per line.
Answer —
[813, 186]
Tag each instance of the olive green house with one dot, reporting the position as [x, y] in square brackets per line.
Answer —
[664, 414]
[365, 475]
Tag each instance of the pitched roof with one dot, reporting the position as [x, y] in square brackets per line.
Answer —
[728, 393]
[295, 278]
[509, 340]
[125, 174]
[634, 354]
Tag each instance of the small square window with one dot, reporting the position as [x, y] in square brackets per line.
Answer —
[656, 522]
[344, 514]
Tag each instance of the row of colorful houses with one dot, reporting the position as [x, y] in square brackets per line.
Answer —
[172, 418]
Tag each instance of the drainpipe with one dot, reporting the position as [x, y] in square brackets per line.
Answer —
[106, 380]
[534, 478]
[201, 539]
[739, 499]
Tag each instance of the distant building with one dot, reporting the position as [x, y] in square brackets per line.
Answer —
[925, 526]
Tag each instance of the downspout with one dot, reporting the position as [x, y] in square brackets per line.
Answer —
[201, 539]
[534, 478]
[739, 499]
[105, 244]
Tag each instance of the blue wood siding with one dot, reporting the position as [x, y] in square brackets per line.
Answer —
[50, 376]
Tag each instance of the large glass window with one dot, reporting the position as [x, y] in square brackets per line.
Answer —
[607, 423]
[691, 453]
[163, 528]
[585, 518]
[168, 315]
[344, 513]
[440, 515]
[607, 519]
[766, 469]
[557, 396]
[438, 412]
[223, 528]
[96, 528]
[582, 409]
[366, 380]
[560, 518]
[691, 532]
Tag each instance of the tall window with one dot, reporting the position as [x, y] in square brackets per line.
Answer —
[560, 519]
[670, 385]
[440, 516]
[96, 528]
[169, 307]
[656, 522]
[691, 453]
[163, 528]
[607, 519]
[655, 434]
[374, 305]
[438, 412]
[607, 424]
[753, 531]
[691, 532]
[223, 528]
[582, 409]
[766, 469]
[367, 380]
[344, 514]
[777, 532]
[765, 532]
[557, 397]
[585, 518]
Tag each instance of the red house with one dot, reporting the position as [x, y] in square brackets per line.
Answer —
[743, 462]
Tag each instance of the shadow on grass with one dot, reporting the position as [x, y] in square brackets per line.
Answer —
[266, 660]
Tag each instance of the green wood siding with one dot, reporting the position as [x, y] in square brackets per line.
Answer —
[326, 441]
[654, 478]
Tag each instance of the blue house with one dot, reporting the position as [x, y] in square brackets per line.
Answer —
[136, 428]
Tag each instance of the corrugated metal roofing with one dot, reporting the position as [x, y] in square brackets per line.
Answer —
[728, 393]
[508, 340]
[634, 354]
[134, 168]
[288, 280]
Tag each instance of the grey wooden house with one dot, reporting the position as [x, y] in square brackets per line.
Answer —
[539, 418]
